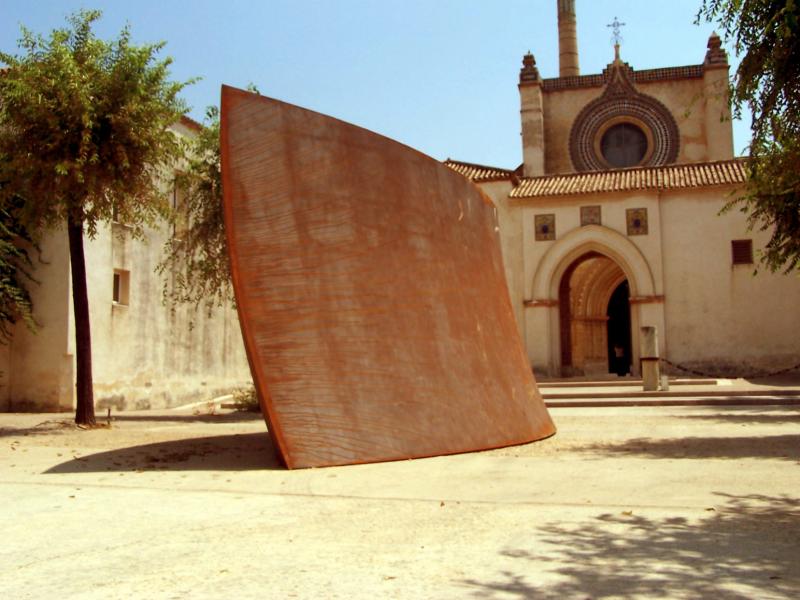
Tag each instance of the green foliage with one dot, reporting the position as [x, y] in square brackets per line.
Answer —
[15, 272]
[85, 138]
[765, 34]
[196, 256]
[84, 127]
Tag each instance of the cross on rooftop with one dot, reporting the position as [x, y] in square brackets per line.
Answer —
[617, 35]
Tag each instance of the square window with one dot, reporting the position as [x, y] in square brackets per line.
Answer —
[545, 226]
[636, 219]
[590, 215]
[121, 289]
[742, 252]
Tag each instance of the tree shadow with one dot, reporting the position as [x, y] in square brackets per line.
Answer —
[780, 447]
[237, 452]
[745, 549]
[228, 417]
[48, 427]
[768, 415]
[791, 379]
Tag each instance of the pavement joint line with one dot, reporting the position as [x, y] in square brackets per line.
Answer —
[373, 498]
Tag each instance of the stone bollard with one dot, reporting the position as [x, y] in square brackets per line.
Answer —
[651, 370]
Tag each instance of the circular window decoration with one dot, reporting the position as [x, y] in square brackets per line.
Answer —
[623, 145]
[617, 132]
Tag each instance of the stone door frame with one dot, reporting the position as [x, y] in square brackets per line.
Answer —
[646, 302]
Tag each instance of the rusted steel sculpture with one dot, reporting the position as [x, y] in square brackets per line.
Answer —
[371, 293]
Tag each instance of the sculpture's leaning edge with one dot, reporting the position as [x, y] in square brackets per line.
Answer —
[370, 291]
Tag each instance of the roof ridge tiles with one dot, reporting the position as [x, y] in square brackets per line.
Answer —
[720, 172]
[477, 165]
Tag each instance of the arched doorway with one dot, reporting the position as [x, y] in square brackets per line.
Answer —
[620, 351]
[594, 317]
[544, 314]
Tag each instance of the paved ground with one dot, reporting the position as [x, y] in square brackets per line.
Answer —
[652, 502]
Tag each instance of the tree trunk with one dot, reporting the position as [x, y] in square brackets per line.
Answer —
[84, 413]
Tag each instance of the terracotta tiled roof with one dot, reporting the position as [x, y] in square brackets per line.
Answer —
[479, 173]
[726, 172]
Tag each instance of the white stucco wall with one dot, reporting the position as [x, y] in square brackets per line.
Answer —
[719, 316]
[40, 364]
[509, 222]
[143, 354]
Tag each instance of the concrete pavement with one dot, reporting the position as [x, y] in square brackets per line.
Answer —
[651, 502]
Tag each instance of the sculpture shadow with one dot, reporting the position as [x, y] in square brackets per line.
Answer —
[744, 549]
[236, 452]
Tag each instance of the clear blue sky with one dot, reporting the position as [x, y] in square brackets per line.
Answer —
[438, 75]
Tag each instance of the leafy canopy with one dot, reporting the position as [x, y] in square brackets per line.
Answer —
[196, 256]
[84, 127]
[765, 34]
[16, 247]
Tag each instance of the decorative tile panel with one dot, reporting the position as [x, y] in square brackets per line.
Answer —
[590, 215]
[545, 227]
[637, 221]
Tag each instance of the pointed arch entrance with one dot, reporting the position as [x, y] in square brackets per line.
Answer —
[594, 317]
[609, 260]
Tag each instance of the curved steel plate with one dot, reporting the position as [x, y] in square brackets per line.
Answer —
[371, 293]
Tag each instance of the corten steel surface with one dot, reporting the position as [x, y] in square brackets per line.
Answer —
[370, 291]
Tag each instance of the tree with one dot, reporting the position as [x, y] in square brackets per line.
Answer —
[84, 137]
[196, 256]
[765, 34]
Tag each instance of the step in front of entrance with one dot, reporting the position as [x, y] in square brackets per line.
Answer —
[785, 397]
[619, 382]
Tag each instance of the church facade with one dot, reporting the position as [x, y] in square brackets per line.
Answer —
[612, 223]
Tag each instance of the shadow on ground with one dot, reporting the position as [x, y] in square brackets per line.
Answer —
[762, 415]
[791, 379]
[67, 424]
[229, 417]
[746, 548]
[239, 452]
[780, 447]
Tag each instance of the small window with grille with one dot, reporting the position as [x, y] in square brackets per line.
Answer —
[742, 252]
